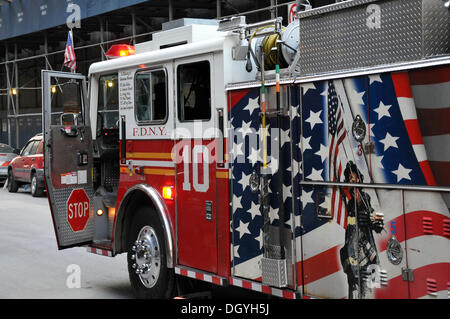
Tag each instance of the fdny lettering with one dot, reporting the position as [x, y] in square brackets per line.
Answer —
[149, 131]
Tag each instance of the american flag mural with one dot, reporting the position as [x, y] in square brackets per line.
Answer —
[246, 221]
[400, 147]
[394, 151]
[70, 59]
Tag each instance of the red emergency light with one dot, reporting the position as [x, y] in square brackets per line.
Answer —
[120, 50]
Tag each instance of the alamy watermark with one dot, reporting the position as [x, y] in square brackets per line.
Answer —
[74, 18]
[73, 280]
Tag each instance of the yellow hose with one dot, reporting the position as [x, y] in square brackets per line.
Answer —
[268, 43]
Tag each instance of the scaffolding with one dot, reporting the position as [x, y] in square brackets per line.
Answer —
[20, 95]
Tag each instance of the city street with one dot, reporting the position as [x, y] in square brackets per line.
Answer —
[32, 267]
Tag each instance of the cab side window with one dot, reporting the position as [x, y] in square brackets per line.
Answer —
[151, 96]
[194, 91]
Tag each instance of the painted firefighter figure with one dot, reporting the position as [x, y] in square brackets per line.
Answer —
[359, 251]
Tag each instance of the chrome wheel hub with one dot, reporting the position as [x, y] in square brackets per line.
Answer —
[147, 257]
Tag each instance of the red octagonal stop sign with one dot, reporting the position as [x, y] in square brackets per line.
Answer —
[78, 209]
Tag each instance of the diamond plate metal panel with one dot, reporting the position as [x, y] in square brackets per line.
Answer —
[363, 33]
[66, 236]
[274, 272]
[436, 28]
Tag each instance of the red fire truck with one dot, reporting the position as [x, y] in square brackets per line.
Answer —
[303, 161]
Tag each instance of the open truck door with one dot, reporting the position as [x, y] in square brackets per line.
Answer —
[68, 160]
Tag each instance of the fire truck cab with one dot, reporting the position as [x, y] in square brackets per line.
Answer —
[251, 155]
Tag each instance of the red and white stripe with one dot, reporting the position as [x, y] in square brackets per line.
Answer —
[431, 91]
[196, 274]
[99, 251]
[256, 286]
[408, 110]
[338, 209]
[70, 59]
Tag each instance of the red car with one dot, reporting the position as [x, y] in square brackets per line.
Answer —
[28, 167]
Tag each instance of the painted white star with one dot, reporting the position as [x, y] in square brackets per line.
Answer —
[316, 175]
[245, 180]
[254, 210]
[259, 239]
[371, 125]
[356, 97]
[285, 136]
[235, 251]
[242, 229]
[402, 173]
[305, 142]
[236, 203]
[237, 150]
[297, 166]
[389, 141]
[273, 214]
[252, 105]
[376, 161]
[307, 198]
[374, 78]
[308, 86]
[254, 156]
[314, 118]
[245, 129]
[322, 152]
[383, 110]
[287, 192]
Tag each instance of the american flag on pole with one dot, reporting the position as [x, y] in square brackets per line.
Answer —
[70, 59]
[336, 135]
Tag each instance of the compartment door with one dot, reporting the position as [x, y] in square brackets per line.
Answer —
[196, 168]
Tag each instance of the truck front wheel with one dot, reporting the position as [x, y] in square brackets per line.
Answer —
[147, 265]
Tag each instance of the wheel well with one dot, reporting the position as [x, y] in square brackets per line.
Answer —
[133, 202]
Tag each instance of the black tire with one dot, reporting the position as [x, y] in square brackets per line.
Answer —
[13, 186]
[36, 191]
[163, 287]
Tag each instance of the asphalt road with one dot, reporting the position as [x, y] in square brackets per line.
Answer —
[32, 267]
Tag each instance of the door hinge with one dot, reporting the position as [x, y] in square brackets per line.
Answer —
[407, 274]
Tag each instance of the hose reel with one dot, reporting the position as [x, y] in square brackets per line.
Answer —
[287, 44]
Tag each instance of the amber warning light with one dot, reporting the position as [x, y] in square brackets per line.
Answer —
[120, 50]
[168, 192]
